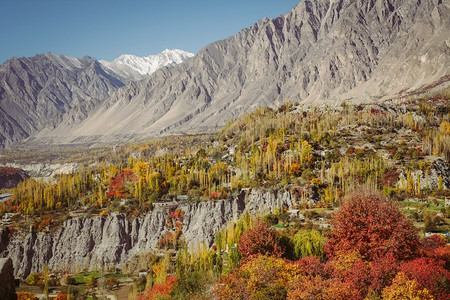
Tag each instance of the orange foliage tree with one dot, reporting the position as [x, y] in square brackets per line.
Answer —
[61, 296]
[262, 277]
[402, 288]
[373, 226]
[26, 296]
[430, 274]
[158, 290]
[261, 239]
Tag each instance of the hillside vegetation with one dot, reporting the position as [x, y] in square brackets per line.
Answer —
[322, 155]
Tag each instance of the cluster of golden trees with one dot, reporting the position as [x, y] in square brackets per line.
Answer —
[321, 147]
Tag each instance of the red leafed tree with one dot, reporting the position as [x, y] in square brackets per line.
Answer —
[436, 247]
[311, 265]
[432, 242]
[442, 253]
[430, 274]
[261, 239]
[372, 225]
[350, 268]
[160, 290]
[118, 187]
[382, 271]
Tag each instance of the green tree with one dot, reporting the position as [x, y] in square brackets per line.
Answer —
[308, 242]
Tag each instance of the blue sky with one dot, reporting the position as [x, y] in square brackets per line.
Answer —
[106, 29]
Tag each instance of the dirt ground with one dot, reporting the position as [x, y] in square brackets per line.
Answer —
[122, 292]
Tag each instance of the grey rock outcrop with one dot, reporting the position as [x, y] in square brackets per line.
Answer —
[7, 286]
[439, 168]
[10, 177]
[98, 242]
[44, 170]
[321, 51]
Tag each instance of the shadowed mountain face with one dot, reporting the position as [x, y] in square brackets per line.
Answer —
[321, 52]
[36, 93]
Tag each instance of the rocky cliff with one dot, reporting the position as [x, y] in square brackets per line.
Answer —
[97, 241]
[322, 52]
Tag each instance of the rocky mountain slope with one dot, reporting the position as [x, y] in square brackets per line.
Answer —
[36, 92]
[322, 51]
[133, 68]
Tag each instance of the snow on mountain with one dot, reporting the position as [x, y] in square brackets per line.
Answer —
[131, 67]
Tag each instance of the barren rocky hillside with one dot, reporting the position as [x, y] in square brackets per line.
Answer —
[320, 52]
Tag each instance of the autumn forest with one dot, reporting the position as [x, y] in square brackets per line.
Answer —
[370, 220]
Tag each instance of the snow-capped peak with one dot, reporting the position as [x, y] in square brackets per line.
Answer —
[133, 67]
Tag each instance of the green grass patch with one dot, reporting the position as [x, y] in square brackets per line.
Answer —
[434, 207]
[412, 204]
[116, 275]
[84, 277]
[279, 226]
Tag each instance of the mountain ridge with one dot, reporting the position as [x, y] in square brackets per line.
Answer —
[40, 92]
[320, 52]
[133, 68]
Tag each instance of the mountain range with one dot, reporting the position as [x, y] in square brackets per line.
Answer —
[40, 92]
[321, 52]
[133, 68]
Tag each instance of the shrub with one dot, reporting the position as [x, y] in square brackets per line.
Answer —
[61, 296]
[373, 226]
[402, 288]
[32, 279]
[159, 290]
[430, 274]
[270, 219]
[316, 287]
[26, 296]
[111, 283]
[262, 277]
[260, 240]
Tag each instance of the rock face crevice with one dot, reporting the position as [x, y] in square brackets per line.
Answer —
[96, 242]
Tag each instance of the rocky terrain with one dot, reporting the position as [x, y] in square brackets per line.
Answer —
[320, 52]
[43, 170]
[10, 177]
[106, 241]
